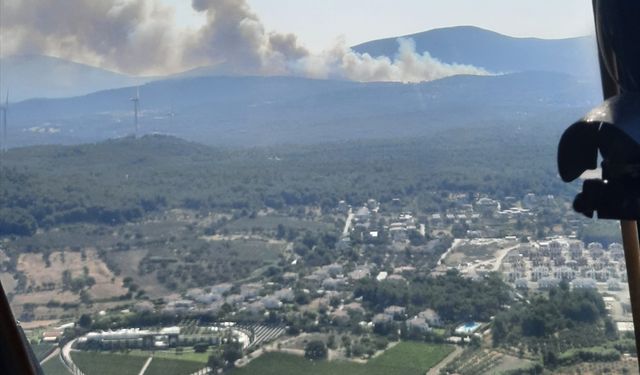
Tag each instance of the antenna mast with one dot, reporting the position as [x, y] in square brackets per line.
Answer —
[136, 103]
[5, 109]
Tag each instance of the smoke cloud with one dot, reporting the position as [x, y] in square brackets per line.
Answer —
[140, 37]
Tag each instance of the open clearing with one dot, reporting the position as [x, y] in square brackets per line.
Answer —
[54, 366]
[187, 355]
[8, 282]
[95, 363]
[406, 358]
[270, 223]
[163, 366]
[41, 275]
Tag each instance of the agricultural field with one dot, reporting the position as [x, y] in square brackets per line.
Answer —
[406, 358]
[42, 350]
[65, 269]
[95, 363]
[625, 366]
[54, 366]
[166, 252]
[164, 366]
[202, 263]
[482, 361]
[9, 283]
[164, 362]
[187, 355]
[270, 224]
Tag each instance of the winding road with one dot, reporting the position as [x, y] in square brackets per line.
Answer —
[347, 224]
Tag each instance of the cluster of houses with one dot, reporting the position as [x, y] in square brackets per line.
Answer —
[466, 210]
[366, 218]
[545, 264]
[247, 297]
[424, 321]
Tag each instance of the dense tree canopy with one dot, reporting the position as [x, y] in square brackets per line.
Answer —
[562, 320]
[121, 180]
[455, 298]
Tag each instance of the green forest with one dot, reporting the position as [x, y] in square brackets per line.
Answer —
[121, 180]
[455, 298]
[565, 327]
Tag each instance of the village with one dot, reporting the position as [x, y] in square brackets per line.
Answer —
[392, 245]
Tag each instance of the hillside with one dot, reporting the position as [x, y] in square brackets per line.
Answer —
[37, 76]
[121, 180]
[261, 111]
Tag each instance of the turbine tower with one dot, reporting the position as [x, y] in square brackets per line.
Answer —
[4, 109]
[136, 103]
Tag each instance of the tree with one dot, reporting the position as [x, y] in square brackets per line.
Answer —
[200, 347]
[232, 352]
[215, 361]
[499, 330]
[85, 321]
[315, 349]
[550, 359]
[331, 341]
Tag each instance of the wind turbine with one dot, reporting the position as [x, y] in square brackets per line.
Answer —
[4, 108]
[136, 103]
[171, 116]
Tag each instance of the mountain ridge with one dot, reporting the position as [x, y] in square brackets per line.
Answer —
[37, 76]
[496, 52]
[262, 111]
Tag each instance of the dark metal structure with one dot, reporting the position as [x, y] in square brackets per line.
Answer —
[16, 356]
[612, 130]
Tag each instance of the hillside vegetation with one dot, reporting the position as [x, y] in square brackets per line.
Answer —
[121, 180]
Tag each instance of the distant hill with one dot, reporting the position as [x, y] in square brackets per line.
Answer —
[37, 76]
[496, 52]
[256, 111]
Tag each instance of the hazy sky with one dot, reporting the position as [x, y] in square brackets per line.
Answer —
[308, 38]
[319, 23]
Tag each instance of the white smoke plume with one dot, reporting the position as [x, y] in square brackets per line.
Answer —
[141, 37]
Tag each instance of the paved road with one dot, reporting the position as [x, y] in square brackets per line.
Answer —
[54, 353]
[435, 370]
[146, 364]
[347, 225]
[454, 244]
[65, 354]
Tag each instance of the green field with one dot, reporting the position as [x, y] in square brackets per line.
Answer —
[163, 366]
[163, 363]
[55, 367]
[96, 363]
[190, 356]
[42, 350]
[271, 223]
[406, 358]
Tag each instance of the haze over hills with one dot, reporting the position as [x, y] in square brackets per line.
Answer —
[258, 111]
[35, 76]
[496, 52]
